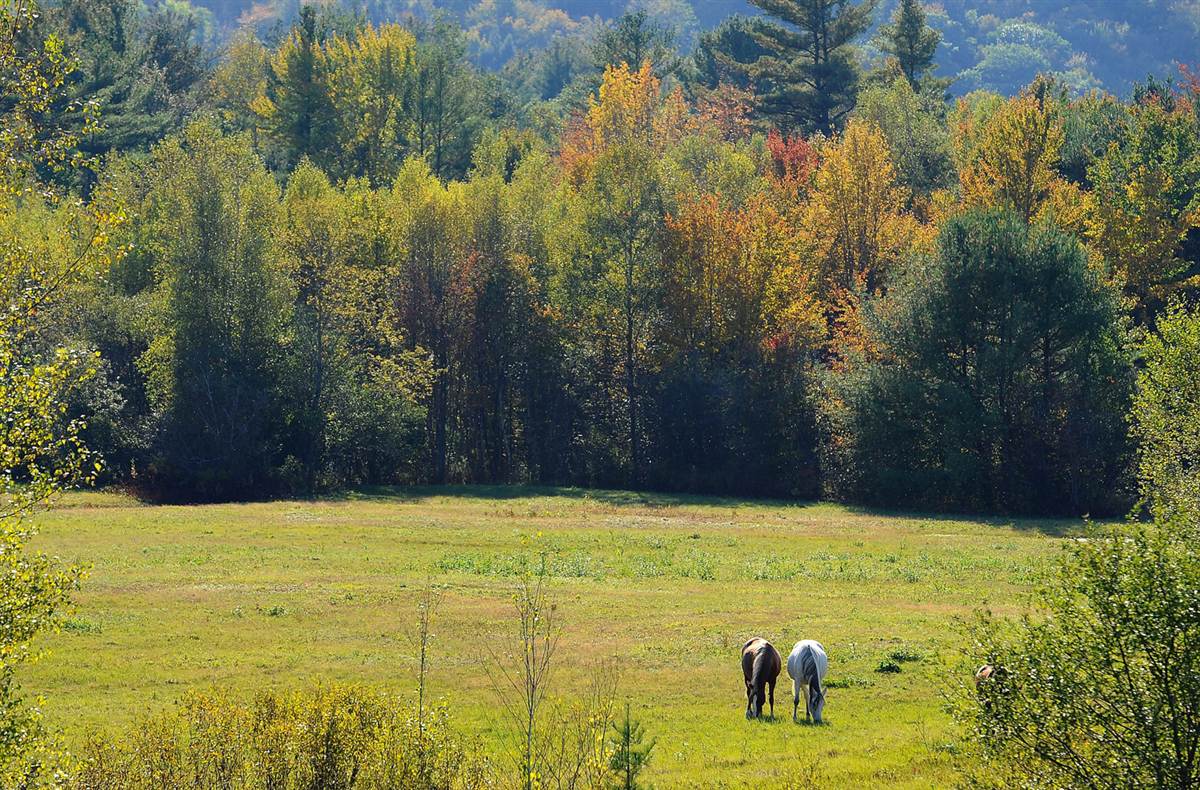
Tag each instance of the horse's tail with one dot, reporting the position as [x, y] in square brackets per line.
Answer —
[811, 674]
[758, 670]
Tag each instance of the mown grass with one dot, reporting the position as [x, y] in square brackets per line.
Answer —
[277, 594]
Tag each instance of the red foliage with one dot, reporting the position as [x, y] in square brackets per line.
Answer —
[794, 161]
[727, 110]
[1191, 84]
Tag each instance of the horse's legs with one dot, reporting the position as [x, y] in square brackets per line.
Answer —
[795, 697]
[771, 687]
[806, 706]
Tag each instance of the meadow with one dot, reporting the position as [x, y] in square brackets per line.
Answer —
[277, 595]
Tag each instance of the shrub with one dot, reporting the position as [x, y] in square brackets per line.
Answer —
[1100, 687]
[1166, 417]
[331, 737]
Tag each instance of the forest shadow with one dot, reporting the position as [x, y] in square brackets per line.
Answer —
[614, 497]
[1053, 526]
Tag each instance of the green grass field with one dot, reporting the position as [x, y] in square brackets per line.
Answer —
[279, 594]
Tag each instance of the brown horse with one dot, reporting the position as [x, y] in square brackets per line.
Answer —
[760, 666]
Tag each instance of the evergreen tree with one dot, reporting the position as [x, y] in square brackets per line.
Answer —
[633, 39]
[910, 40]
[631, 751]
[995, 377]
[722, 54]
[444, 104]
[138, 66]
[809, 80]
[296, 111]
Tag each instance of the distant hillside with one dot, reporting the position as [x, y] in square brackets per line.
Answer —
[994, 44]
[1001, 44]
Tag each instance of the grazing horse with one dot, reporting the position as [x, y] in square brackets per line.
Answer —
[806, 667]
[761, 663]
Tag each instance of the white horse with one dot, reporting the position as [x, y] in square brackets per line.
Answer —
[806, 667]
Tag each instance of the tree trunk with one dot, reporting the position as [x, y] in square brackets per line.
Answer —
[635, 472]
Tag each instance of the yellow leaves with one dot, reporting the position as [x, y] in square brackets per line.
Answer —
[32, 80]
[367, 82]
[626, 105]
[856, 220]
[735, 279]
[239, 79]
[1140, 235]
[629, 109]
[263, 107]
[1146, 204]
[1008, 158]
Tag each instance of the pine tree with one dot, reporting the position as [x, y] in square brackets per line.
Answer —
[633, 39]
[809, 81]
[910, 40]
[295, 109]
[631, 752]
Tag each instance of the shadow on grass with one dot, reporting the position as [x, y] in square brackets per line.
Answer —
[1055, 526]
[783, 718]
[616, 497]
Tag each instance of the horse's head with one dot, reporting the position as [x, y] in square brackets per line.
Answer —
[816, 701]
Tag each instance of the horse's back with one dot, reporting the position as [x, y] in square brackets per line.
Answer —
[758, 651]
[807, 650]
[773, 661]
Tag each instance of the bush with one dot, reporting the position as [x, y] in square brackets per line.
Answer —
[994, 377]
[1100, 687]
[331, 737]
[1166, 417]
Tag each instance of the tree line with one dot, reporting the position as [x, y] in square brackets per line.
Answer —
[348, 258]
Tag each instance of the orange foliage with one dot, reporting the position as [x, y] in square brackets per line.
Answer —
[629, 108]
[726, 110]
[735, 280]
[1189, 93]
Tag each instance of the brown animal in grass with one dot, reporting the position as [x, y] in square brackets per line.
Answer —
[761, 664]
[984, 673]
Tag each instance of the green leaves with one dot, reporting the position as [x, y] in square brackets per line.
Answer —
[1098, 687]
[1166, 418]
[988, 359]
[41, 451]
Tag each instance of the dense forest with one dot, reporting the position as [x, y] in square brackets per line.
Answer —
[343, 253]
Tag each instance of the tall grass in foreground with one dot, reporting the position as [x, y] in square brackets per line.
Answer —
[329, 737]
